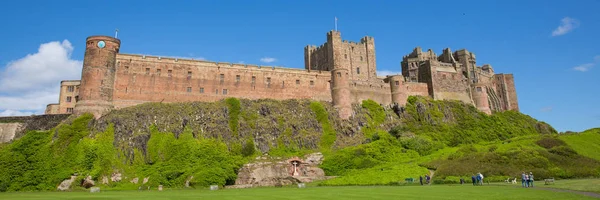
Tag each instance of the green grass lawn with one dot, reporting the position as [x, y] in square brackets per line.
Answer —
[358, 192]
[588, 185]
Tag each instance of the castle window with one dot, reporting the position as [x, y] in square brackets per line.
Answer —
[283, 84]
[70, 88]
[237, 78]
[339, 74]
[297, 82]
[158, 71]
[126, 69]
[478, 89]
[312, 82]
[189, 74]
[222, 78]
[170, 72]
[68, 99]
[345, 56]
[397, 82]
[69, 110]
[189, 89]
[268, 82]
[361, 58]
[76, 98]
[201, 90]
[147, 71]
[358, 70]
[224, 91]
[216, 91]
[253, 80]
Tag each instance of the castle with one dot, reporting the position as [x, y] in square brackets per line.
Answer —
[338, 71]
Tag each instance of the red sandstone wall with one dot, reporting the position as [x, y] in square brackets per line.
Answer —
[449, 84]
[511, 92]
[378, 91]
[316, 58]
[133, 85]
[417, 89]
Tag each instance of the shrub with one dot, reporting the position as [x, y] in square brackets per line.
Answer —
[234, 112]
[248, 149]
[550, 142]
[329, 135]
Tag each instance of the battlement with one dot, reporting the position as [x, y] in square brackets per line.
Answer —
[204, 63]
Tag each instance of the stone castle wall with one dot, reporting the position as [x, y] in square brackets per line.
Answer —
[339, 71]
[142, 79]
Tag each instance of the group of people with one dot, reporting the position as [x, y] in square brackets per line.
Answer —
[427, 179]
[477, 179]
[527, 179]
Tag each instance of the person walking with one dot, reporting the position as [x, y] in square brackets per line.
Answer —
[530, 179]
[523, 179]
[473, 180]
[421, 179]
[481, 178]
[526, 180]
[478, 177]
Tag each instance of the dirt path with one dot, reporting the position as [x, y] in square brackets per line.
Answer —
[431, 173]
[590, 194]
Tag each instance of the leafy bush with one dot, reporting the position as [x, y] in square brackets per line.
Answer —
[234, 112]
[248, 149]
[329, 134]
[550, 142]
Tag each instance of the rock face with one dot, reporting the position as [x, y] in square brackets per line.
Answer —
[8, 131]
[12, 128]
[135, 180]
[116, 177]
[280, 172]
[88, 182]
[66, 184]
[94, 189]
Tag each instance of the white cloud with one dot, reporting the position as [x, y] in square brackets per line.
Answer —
[268, 59]
[28, 84]
[15, 113]
[567, 24]
[387, 72]
[584, 67]
[546, 109]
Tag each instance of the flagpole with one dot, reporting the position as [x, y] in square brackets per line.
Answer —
[335, 23]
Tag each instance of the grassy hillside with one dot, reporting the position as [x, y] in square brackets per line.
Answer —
[169, 143]
[586, 143]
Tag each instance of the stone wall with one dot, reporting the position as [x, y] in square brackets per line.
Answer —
[506, 84]
[448, 84]
[153, 79]
[15, 127]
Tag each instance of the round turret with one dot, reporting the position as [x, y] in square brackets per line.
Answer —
[399, 93]
[98, 75]
[480, 98]
[340, 92]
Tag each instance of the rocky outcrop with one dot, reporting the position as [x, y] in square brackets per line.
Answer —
[88, 182]
[12, 128]
[66, 184]
[115, 177]
[267, 171]
[8, 131]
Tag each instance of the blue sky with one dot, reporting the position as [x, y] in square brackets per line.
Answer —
[551, 47]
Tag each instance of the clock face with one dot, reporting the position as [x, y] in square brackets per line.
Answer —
[101, 44]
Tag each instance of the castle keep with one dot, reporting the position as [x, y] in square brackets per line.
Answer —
[338, 71]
